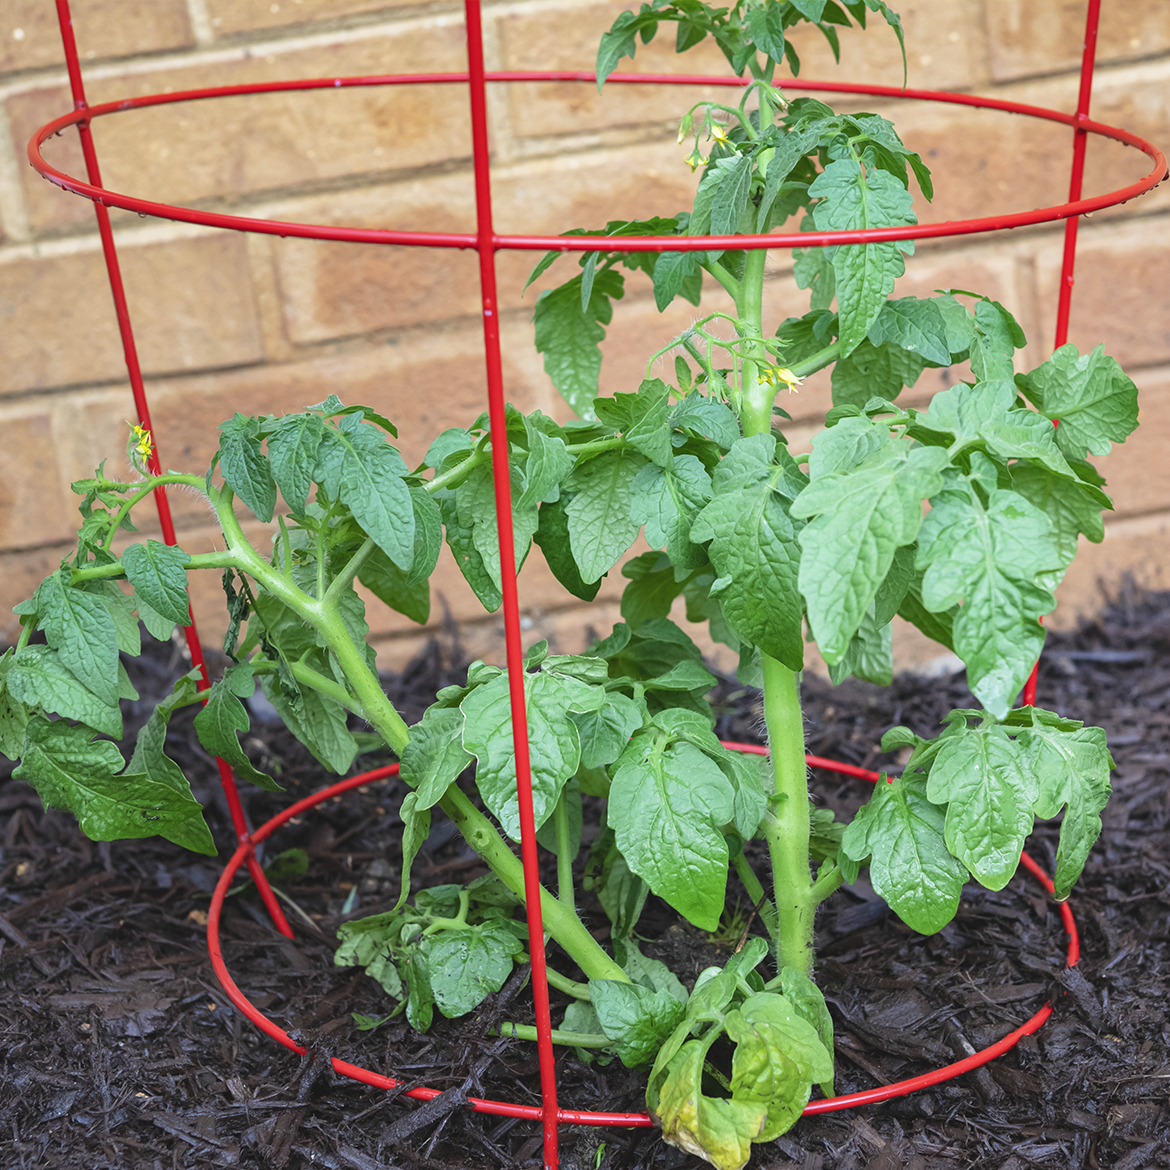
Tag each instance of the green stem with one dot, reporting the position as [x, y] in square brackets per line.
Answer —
[818, 361]
[572, 1039]
[827, 884]
[561, 982]
[459, 922]
[787, 829]
[559, 920]
[344, 579]
[756, 892]
[757, 396]
[147, 487]
[564, 856]
[215, 560]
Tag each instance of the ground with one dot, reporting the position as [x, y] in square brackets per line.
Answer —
[119, 1048]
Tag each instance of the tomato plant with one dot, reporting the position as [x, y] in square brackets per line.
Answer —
[961, 517]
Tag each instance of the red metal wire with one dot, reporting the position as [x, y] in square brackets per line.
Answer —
[1069, 259]
[589, 1117]
[81, 118]
[502, 481]
[590, 243]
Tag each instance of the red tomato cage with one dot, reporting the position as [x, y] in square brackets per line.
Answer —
[487, 243]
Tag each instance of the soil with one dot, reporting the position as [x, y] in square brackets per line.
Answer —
[119, 1049]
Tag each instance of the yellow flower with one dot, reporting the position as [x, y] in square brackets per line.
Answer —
[140, 441]
[695, 160]
[780, 376]
[719, 133]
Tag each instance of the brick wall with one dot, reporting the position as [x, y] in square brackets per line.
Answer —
[229, 322]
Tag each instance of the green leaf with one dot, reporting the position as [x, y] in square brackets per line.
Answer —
[863, 515]
[13, 713]
[636, 1018]
[865, 273]
[666, 500]
[997, 337]
[667, 808]
[568, 337]
[368, 942]
[156, 625]
[730, 199]
[874, 370]
[754, 549]
[599, 521]
[914, 325]
[244, 467]
[476, 501]
[652, 588]
[159, 578]
[765, 26]
[292, 453]
[716, 1129]
[869, 655]
[72, 771]
[121, 609]
[79, 626]
[553, 741]
[641, 417]
[1073, 508]
[675, 273]
[387, 582]
[319, 722]
[416, 827]
[220, 721]
[622, 896]
[466, 966]
[434, 758]
[552, 537]
[707, 416]
[332, 407]
[1089, 395]
[605, 732]
[1071, 769]
[150, 758]
[778, 1057]
[467, 557]
[994, 560]
[985, 779]
[901, 831]
[808, 1001]
[356, 465]
[546, 468]
[38, 678]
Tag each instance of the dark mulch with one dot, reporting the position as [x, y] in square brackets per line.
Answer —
[120, 1049]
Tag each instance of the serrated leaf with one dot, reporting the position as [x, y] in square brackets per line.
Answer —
[568, 337]
[467, 557]
[38, 678]
[869, 655]
[753, 548]
[150, 758]
[666, 500]
[292, 454]
[333, 407]
[667, 808]
[673, 274]
[476, 501]
[435, 757]
[416, 827]
[1071, 769]
[552, 538]
[706, 416]
[915, 325]
[356, 465]
[72, 771]
[984, 778]
[865, 273]
[599, 521]
[159, 578]
[997, 337]
[224, 717]
[319, 722]
[862, 516]
[244, 467]
[901, 831]
[731, 197]
[641, 417]
[874, 370]
[79, 626]
[553, 742]
[605, 732]
[994, 561]
[636, 1018]
[13, 713]
[1089, 395]
[547, 466]
[466, 966]
[1073, 508]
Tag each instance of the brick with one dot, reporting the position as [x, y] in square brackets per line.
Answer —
[233, 146]
[339, 290]
[1136, 547]
[567, 38]
[21, 571]
[189, 301]
[1137, 471]
[1121, 296]
[234, 17]
[30, 37]
[32, 510]
[946, 48]
[1043, 36]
